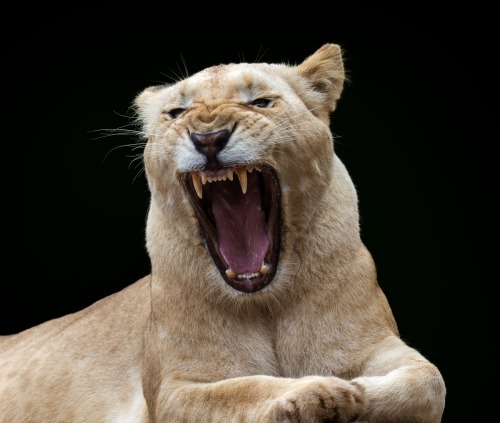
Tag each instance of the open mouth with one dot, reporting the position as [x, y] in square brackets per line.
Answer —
[239, 211]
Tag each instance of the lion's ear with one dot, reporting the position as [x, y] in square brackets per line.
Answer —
[142, 98]
[145, 98]
[146, 105]
[324, 73]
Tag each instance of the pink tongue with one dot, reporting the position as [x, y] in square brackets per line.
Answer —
[240, 223]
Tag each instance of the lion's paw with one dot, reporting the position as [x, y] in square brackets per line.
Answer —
[322, 399]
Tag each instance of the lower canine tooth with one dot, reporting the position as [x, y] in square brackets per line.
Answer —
[264, 269]
[231, 274]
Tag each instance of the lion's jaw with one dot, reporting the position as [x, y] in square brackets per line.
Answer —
[243, 147]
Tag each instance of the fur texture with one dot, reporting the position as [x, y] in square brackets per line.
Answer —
[309, 337]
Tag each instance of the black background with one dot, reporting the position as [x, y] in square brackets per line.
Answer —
[416, 127]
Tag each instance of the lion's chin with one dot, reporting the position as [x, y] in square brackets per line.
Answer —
[238, 209]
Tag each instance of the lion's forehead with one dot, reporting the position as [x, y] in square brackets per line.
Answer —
[241, 82]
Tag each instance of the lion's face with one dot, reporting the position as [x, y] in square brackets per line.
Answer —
[243, 143]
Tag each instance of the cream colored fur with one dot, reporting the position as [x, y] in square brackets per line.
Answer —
[318, 344]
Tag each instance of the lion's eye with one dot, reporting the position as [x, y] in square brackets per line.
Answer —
[174, 113]
[261, 102]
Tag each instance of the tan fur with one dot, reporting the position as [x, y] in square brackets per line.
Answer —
[319, 343]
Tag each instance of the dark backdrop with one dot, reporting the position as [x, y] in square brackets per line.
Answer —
[416, 128]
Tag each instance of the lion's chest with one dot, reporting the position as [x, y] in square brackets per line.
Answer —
[312, 344]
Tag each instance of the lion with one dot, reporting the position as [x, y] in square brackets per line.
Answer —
[262, 304]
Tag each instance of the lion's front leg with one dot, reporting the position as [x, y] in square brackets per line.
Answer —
[261, 399]
[400, 385]
[319, 399]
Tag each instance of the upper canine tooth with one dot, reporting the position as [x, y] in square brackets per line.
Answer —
[197, 183]
[203, 179]
[250, 168]
[230, 174]
[242, 176]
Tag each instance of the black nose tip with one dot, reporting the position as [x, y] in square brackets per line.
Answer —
[210, 144]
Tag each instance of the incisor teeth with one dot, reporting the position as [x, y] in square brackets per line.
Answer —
[248, 275]
[197, 184]
[242, 176]
[263, 270]
[200, 179]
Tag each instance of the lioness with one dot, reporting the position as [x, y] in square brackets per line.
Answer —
[262, 304]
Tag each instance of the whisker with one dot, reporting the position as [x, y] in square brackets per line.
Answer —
[186, 72]
[261, 54]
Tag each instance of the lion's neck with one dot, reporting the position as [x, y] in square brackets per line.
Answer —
[181, 263]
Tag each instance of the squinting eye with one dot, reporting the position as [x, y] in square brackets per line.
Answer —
[174, 113]
[261, 102]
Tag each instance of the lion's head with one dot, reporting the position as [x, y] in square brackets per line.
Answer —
[250, 146]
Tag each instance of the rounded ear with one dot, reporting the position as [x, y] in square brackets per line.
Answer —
[143, 99]
[145, 105]
[325, 75]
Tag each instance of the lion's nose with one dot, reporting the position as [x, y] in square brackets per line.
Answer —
[210, 144]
